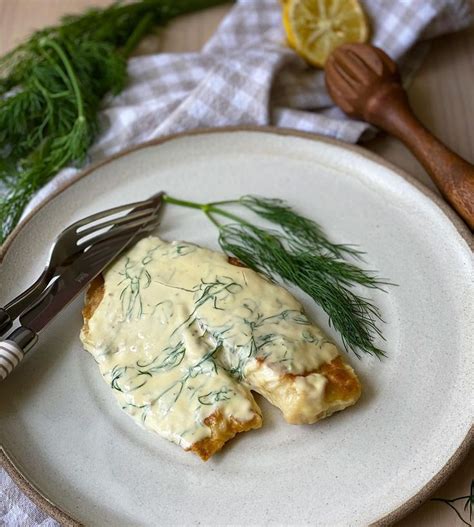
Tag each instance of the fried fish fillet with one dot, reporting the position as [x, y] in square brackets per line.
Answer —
[183, 335]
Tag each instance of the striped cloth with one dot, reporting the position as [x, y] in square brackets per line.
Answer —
[244, 75]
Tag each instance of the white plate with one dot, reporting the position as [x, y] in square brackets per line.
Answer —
[64, 432]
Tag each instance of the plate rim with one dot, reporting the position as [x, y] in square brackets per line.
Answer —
[36, 496]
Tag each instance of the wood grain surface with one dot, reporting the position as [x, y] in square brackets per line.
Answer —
[441, 95]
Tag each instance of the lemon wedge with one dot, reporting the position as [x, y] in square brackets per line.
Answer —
[314, 28]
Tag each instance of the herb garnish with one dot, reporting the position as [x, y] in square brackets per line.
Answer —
[469, 502]
[300, 253]
[51, 88]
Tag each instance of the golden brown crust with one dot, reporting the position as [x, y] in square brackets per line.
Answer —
[235, 261]
[298, 396]
[222, 430]
[343, 384]
[94, 296]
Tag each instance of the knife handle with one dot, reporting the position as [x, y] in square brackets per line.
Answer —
[13, 349]
[10, 356]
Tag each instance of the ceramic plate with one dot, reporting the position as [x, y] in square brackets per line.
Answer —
[69, 444]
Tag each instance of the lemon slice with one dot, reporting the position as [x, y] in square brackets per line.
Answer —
[314, 28]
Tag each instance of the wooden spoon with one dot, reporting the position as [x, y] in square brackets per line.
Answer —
[364, 82]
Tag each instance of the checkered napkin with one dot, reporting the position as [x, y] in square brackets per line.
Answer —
[244, 75]
[247, 75]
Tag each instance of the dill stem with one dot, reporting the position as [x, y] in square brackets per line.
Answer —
[140, 30]
[229, 215]
[184, 203]
[225, 202]
[214, 221]
[54, 64]
[208, 208]
[70, 71]
[452, 500]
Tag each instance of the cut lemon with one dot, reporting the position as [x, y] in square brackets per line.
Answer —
[314, 28]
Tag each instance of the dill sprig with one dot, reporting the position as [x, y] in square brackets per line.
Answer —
[51, 88]
[468, 504]
[298, 252]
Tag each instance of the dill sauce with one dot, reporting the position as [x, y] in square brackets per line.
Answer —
[181, 333]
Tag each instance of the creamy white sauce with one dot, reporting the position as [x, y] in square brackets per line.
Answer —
[181, 333]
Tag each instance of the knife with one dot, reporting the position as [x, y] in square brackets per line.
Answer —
[61, 291]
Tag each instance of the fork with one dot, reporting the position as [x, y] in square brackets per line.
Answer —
[76, 239]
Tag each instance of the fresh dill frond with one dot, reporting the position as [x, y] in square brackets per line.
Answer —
[302, 230]
[52, 86]
[298, 252]
[468, 504]
[323, 277]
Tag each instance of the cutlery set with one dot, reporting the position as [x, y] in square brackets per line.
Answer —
[77, 256]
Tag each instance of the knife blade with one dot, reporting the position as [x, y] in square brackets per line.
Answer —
[61, 291]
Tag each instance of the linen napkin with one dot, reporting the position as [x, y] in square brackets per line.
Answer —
[244, 75]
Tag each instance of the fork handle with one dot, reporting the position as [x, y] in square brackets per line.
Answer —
[13, 350]
[5, 321]
[389, 109]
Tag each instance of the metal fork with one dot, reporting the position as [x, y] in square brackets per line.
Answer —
[76, 239]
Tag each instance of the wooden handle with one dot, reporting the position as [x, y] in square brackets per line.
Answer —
[364, 82]
[389, 109]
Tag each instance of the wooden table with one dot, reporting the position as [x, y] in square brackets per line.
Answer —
[442, 96]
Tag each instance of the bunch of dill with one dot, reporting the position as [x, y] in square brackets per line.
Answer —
[51, 87]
